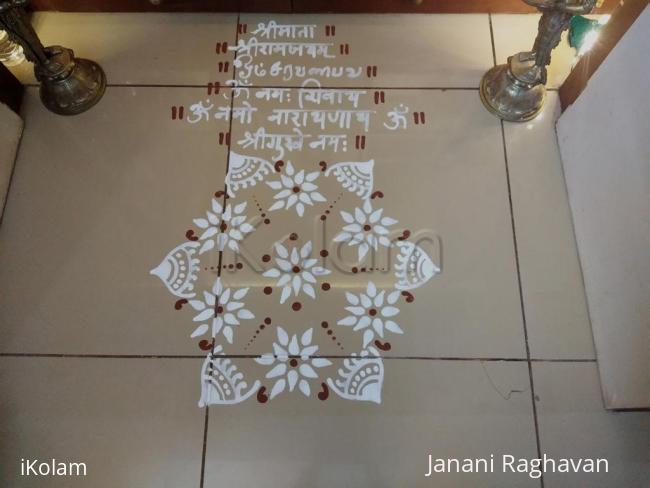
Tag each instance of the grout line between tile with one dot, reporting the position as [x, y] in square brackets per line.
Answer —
[252, 356]
[494, 53]
[223, 203]
[521, 298]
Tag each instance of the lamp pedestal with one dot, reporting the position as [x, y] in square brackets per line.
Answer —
[515, 91]
[69, 85]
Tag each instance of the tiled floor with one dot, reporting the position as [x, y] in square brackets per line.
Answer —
[109, 252]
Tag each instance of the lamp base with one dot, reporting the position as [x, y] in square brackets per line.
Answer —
[514, 91]
[69, 85]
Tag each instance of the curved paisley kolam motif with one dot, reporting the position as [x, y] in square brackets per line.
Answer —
[361, 377]
[245, 171]
[221, 383]
[413, 267]
[354, 177]
[179, 270]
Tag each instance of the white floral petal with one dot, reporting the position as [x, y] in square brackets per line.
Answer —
[283, 264]
[317, 197]
[278, 370]
[309, 290]
[286, 293]
[307, 371]
[265, 359]
[388, 221]
[393, 327]
[202, 223]
[308, 351]
[300, 209]
[321, 362]
[278, 388]
[347, 217]
[227, 333]
[305, 340]
[286, 278]
[271, 273]
[294, 348]
[378, 325]
[359, 216]
[389, 311]
[304, 387]
[356, 310]
[367, 337]
[283, 337]
[343, 237]
[348, 321]
[363, 323]
[352, 298]
[277, 205]
[275, 185]
[292, 377]
[200, 330]
[291, 201]
[245, 314]
[205, 315]
[230, 319]
[207, 245]
[319, 271]
[197, 304]
[239, 294]
[393, 297]
[281, 250]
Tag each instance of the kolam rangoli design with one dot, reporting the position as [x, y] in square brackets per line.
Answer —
[296, 272]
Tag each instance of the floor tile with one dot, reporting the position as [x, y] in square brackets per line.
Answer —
[133, 48]
[446, 409]
[553, 291]
[441, 181]
[134, 422]
[574, 424]
[514, 33]
[96, 202]
[448, 50]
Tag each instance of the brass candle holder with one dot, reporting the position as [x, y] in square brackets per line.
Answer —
[516, 91]
[69, 85]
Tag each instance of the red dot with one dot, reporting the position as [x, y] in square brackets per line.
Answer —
[293, 236]
[324, 253]
[267, 221]
[240, 265]
[267, 320]
[329, 332]
[296, 306]
[268, 290]
[324, 325]
[262, 326]
[266, 258]
[323, 217]
[355, 270]
[325, 286]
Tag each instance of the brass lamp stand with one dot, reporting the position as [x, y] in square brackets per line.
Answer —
[69, 85]
[515, 91]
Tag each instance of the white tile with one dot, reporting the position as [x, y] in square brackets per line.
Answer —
[134, 422]
[407, 50]
[98, 200]
[136, 48]
[443, 408]
[514, 33]
[573, 423]
[11, 128]
[553, 291]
